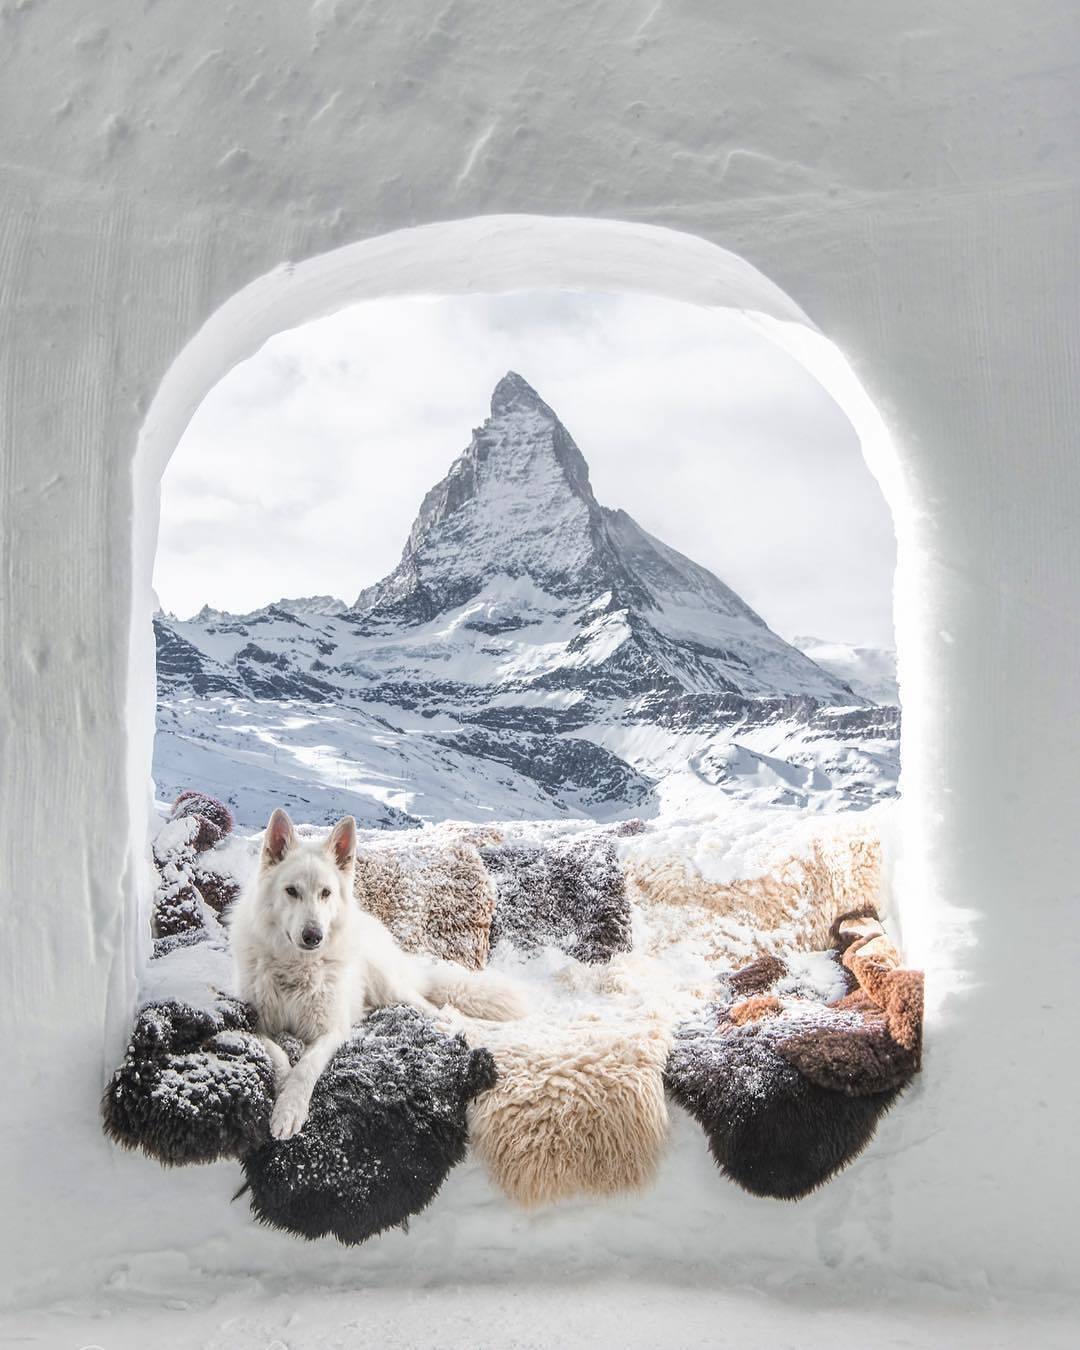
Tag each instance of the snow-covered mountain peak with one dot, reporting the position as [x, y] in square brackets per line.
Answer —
[516, 408]
[532, 649]
[513, 391]
[312, 604]
[517, 504]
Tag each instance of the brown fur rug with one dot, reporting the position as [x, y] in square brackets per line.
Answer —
[191, 891]
[789, 1089]
[432, 891]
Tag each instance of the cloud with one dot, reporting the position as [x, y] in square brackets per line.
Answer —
[303, 470]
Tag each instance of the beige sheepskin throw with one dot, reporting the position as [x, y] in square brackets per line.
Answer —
[788, 904]
[432, 891]
[580, 1113]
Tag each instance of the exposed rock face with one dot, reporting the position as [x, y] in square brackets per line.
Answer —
[533, 651]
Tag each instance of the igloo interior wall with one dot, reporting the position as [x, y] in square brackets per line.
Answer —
[897, 209]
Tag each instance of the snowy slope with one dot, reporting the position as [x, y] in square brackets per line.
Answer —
[533, 654]
[869, 671]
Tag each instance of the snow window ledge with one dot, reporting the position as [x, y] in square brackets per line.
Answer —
[770, 1006]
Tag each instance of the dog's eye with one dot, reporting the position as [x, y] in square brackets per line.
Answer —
[292, 891]
[326, 892]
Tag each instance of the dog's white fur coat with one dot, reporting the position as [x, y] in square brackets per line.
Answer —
[312, 962]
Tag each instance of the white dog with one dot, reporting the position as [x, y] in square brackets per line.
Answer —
[311, 961]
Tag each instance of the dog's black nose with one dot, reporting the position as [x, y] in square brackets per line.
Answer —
[311, 936]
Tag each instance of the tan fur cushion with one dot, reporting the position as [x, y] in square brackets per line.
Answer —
[432, 891]
[581, 1111]
[789, 905]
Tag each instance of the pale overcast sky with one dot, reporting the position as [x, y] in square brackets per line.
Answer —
[303, 470]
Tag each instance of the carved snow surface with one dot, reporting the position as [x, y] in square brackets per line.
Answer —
[533, 654]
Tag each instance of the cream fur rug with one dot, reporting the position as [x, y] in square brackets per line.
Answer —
[581, 1111]
[579, 1106]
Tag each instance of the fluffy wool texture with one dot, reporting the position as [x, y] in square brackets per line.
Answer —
[388, 1117]
[191, 890]
[195, 1085]
[789, 1088]
[620, 941]
[569, 893]
[433, 892]
[791, 903]
[582, 1112]
[186, 937]
[194, 803]
[387, 1123]
[216, 888]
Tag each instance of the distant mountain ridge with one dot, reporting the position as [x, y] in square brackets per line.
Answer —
[544, 649]
[869, 671]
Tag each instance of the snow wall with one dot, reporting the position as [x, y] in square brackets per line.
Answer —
[179, 181]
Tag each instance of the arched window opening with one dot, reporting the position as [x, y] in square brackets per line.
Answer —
[656, 582]
[618, 724]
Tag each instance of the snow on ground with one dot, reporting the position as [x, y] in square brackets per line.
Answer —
[394, 767]
[319, 763]
[149, 1305]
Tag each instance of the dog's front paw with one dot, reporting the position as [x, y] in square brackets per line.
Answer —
[451, 1020]
[289, 1114]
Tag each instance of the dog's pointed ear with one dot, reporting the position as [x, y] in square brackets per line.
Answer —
[342, 843]
[280, 836]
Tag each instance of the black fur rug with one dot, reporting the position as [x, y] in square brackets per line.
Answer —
[195, 1085]
[769, 1128]
[387, 1124]
[387, 1116]
[569, 894]
[789, 1092]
